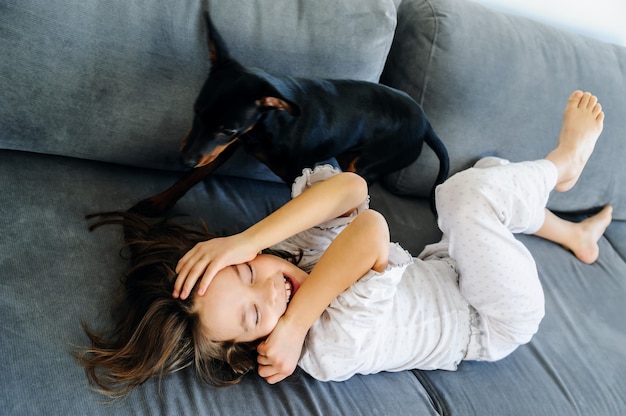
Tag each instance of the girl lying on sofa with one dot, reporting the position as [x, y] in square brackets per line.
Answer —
[331, 294]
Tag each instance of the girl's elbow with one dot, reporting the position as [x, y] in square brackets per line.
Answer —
[377, 235]
[382, 241]
[357, 186]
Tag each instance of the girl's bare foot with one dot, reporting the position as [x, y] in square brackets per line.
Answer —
[583, 121]
[585, 246]
[581, 238]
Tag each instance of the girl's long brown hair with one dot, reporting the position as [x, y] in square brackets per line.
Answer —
[156, 334]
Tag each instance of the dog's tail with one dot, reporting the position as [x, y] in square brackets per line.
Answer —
[435, 143]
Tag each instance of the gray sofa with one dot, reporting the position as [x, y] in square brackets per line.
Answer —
[95, 96]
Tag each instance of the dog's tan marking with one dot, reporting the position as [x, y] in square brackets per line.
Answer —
[210, 158]
[183, 143]
[352, 166]
[276, 103]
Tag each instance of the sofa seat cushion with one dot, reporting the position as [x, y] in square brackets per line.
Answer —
[55, 274]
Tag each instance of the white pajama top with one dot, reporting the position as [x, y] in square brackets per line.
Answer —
[475, 295]
[411, 316]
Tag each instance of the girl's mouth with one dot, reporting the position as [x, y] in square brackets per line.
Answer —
[288, 287]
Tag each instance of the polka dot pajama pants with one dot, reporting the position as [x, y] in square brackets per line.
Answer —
[479, 211]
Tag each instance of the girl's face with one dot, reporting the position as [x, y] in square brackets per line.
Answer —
[243, 303]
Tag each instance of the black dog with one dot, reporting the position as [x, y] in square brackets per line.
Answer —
[293, 123]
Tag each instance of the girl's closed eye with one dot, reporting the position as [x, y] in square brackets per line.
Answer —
[258, 315]
[251, 318]
[251, 273]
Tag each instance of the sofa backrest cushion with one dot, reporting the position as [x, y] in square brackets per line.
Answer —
[496, 84]
[115, 81]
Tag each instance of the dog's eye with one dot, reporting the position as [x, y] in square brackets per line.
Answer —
[228, 132]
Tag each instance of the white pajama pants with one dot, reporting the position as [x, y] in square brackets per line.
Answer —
[479, 211]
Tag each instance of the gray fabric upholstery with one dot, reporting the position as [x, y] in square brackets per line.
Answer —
[494, 84]
[115, 81]
[301, 38]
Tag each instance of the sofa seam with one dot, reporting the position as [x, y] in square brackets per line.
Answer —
[400, 178]
[433, 394]
[431, 52]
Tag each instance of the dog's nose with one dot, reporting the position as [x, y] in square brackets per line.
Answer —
[186, 156]
[188, 161]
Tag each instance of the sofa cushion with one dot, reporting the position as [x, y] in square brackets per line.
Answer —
[55, 274]
[493, 83]
[116, 81]
[325, 39]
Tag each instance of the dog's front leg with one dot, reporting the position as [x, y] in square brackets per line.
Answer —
[158, 204]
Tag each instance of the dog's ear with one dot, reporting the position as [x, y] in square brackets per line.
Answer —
[218, 53]
[277, 103]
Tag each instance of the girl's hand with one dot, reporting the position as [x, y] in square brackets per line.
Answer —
[362, 246]
[207, 258]
[329, 199]
[280, 352]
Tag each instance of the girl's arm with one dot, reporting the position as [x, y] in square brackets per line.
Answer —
[334, 197]
[362, 246]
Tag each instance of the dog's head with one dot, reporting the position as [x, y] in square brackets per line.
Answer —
[230, 103]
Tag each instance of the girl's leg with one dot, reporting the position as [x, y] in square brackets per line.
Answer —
[581, 238]
[583, 121]
[481, 208]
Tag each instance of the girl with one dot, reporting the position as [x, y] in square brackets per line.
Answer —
[352, 302]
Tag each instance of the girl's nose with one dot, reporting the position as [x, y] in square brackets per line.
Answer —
[270, 292]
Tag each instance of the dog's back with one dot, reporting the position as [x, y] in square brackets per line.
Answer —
[369, 128]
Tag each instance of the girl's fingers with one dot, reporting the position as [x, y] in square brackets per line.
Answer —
[261, 349]
[180, 279]
[192, 277]
[183, 271]
[187, 287]
[271, 374]
[182, 262]
[178, 284]
[206, 280]
[276, 378]
[202, 274]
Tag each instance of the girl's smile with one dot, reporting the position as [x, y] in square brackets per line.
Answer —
[244, 302]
